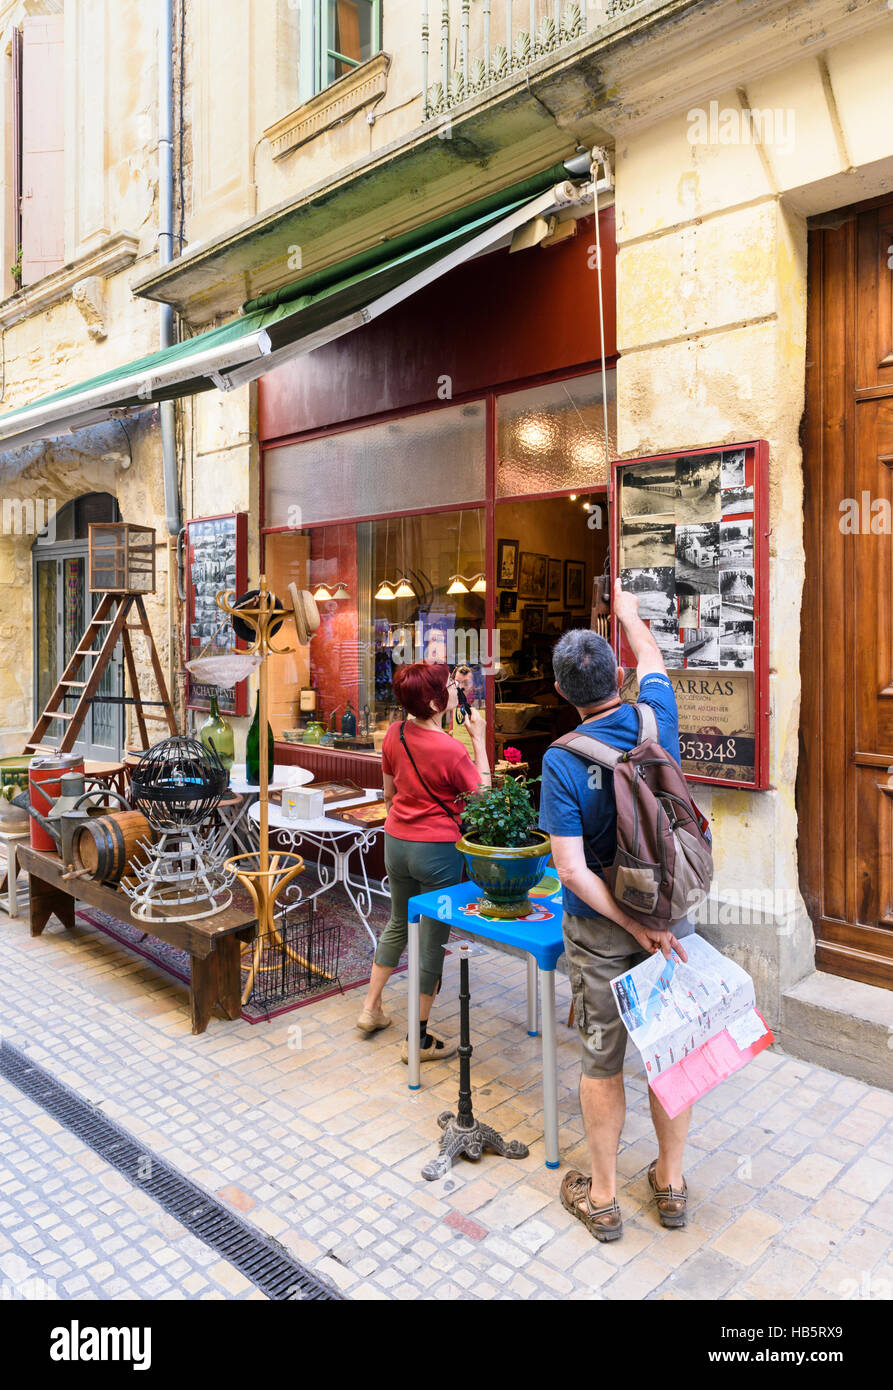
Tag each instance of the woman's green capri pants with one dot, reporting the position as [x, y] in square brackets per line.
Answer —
[417, 866]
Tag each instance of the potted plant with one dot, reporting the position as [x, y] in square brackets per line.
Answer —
[504, 852]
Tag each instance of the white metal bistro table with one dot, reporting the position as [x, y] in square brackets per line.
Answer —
[337, 843]
[237, 829]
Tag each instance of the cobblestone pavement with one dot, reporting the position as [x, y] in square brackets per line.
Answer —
[308, 1129]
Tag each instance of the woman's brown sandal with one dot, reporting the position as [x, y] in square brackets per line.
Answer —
[605, 1223]
[670, 1203]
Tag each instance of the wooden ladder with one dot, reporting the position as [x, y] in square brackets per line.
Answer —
[116, 626]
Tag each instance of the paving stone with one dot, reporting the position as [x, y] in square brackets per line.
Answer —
[747, 1237]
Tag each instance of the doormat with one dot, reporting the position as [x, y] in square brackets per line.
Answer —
[354, 965]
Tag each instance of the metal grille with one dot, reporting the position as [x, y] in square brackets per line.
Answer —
[262, 1260]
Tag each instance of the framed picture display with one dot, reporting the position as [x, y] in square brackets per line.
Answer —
[216, 558]
[533, 576]
[554, 589]
[508, 602]
[556, 623]
[575, 595]
[510, 640]
[533, 617]
[506, 564]
[690, 538]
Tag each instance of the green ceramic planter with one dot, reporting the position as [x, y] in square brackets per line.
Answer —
[506, 876]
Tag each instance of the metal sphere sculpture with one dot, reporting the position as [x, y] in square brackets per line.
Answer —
[178, 783]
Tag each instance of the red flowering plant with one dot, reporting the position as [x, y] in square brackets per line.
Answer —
[512, 755]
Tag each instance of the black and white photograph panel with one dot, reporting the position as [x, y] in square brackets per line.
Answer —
[737, 501]
[736, 588]
[697, 558]
[666, 635]
[709, 610]
[698, 489]
[736, 545]
[689, 610]
[655, 589]
[647, 542]
[700, 646]
[649, 489]
[733, 469]
[736, 644]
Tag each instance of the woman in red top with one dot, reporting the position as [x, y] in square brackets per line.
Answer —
[426, 776]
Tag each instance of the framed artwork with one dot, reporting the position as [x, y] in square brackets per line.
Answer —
[508, 602]
[533, 617]
[553, 592]
[506, 564]
[556, 623]
[216, 558]
[574, 583]
[510, 640]
[533, 576]
[691, 535]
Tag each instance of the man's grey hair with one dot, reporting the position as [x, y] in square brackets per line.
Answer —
[585, 667]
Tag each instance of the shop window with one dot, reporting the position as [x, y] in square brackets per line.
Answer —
[434, 459]
[402, 589]
[348, 33]
[553, 437]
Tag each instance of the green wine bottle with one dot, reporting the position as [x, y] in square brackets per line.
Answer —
[252, 750]
[217, 733]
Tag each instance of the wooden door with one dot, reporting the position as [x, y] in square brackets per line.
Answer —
[846, 743]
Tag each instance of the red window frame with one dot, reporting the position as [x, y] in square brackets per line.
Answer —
[760, 451]
[489, 502]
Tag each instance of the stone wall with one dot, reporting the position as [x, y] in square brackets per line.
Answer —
[712, 235]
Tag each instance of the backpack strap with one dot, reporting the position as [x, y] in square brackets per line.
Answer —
[589, 748]
[647, 723]
[594, 750]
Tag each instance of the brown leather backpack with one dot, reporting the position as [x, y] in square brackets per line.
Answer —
[664, 864]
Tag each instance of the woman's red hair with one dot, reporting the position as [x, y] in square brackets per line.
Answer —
[418, 683]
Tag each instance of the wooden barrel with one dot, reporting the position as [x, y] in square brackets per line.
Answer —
[106, 845]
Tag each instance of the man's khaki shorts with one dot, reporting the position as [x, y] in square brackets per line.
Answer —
[598, 950]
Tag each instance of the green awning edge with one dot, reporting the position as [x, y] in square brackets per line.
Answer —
[385, 251]
[423, 245]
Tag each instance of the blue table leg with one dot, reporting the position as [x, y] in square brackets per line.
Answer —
[531, 997]
[550, 1068]
[413, 1006]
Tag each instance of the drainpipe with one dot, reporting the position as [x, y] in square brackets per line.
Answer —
[166, 248]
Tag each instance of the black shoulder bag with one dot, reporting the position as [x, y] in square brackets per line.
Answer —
[432, 795]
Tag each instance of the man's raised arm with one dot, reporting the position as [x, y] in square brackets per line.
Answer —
[642, 644]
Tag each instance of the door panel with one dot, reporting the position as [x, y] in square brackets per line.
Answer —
[60, 620]
[845, 811]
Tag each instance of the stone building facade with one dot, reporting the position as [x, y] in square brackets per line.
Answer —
[731, 129]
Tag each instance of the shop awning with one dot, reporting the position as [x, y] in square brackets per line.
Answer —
[295, 320]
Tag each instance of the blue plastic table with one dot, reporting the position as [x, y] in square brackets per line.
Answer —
[543, 943]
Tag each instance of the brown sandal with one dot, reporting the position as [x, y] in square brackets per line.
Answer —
[605, 1223]
[670, 1203]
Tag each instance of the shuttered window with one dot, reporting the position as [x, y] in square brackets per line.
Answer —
[348, 34]
[42, 116]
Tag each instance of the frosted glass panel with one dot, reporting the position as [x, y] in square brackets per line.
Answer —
[420, 461]
[552, 437]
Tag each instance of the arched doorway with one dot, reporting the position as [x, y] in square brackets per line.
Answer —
[62, 607]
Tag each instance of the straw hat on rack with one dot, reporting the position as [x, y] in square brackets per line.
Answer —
[306, 613]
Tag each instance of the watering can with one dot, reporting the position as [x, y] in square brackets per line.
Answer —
[69, 812]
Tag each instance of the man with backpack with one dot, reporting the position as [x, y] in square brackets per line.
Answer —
[603, 939]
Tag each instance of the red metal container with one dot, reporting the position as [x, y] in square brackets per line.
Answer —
[44, 786]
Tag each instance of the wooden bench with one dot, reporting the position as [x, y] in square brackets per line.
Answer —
[212, 943]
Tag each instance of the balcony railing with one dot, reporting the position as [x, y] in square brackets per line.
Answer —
[483, 41]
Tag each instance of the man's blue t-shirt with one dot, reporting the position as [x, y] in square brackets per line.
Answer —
[569, 806]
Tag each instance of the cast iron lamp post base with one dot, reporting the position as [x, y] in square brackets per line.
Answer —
[462, 1133]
